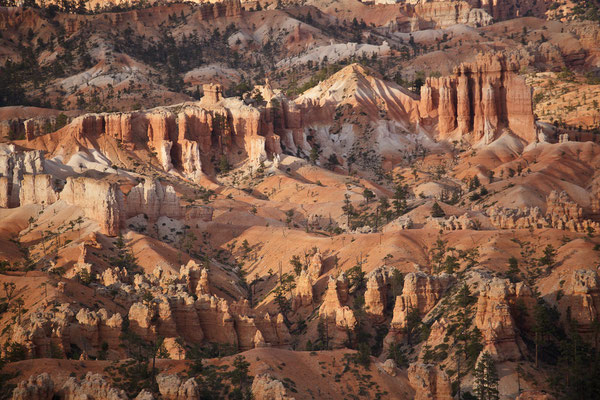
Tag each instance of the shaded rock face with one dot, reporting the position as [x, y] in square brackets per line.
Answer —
[535, 395]
[480, 100]
[420, 292]
[376, 295]
[494, 317]
[304, 291]
[40, 387]
[171, 387]
[429, 382]
[335, 311]
[582, 299]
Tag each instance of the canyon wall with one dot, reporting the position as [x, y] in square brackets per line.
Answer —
[480, 101]
[192, 136]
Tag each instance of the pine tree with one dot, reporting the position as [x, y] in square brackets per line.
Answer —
[399, 202]
[486, 378]
[437, 211]
[513, 269]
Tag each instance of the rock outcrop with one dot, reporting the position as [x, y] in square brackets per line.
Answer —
[494, 317]
[376, 294]
[582, 298]
[104, 202]
[479, 101]
[40, 387]
[38, 189]
[452, 223]
[303, 294]
[93, 386]
[171, 387]
[421, 292]
[265, 387]
[429, 382]
[14, 165]
[334, 309]
[561, 213]
[98, 198]
[187, 138]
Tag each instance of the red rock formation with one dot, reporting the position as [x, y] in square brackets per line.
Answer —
[561, 213]
[494, 317]
[429, 382]
[188, 140]
[335, 311]
[582, 298]
[303, 294]
[420, 292]
[480, 100]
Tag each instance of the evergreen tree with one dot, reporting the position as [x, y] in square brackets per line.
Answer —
[486, 378]
[437, 211]
[399, 202]
[368, 195]
[513, 269]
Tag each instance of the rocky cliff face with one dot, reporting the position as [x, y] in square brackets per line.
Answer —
[502, 10]
[442, 14]
[14, 165]
[99, 199]
[494, 317]
[429, 382]
[460, 12]
[189, 138]
[479, 101]
[582, 299]
[335, 311]
[104, 202]
[421, 292]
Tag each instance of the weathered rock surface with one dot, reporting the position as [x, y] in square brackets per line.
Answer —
[561, 213]
[420, 292]
[582, 298]
[494, 317]
[39, 387]
[93, 386]
[429, 382]
[334, 309]
[265, 387]
[14, 165]
[480, 100]
[171, 387]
